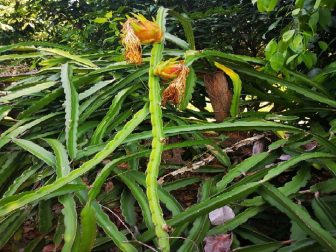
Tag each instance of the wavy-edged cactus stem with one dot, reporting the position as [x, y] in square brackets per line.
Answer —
[157, 142]
[23, 199]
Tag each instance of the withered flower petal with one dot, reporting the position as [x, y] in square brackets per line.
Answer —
[176, 89]
[131, 43]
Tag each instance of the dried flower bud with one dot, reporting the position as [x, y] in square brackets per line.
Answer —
[147, 31]
[175, 91]
[169, 69]
[218, 243]
[137, 31]
[131, 43]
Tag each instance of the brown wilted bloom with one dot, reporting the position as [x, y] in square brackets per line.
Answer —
[175, 91]
[131, 43]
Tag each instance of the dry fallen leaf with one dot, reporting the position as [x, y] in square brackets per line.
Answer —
[218, 243]
[49, 248]
[219, 93]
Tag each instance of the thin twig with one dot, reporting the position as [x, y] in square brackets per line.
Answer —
[187, 168]
[132, 234]
[187, 239]
[246, 141]
[210, 158]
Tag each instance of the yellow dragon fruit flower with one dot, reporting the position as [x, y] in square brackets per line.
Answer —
[169, 69]
[135, 32]
[175, 91]
[147, 31]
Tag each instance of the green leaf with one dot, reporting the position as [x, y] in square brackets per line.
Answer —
[69, 210]
[313, 20]
[323, 45]
[237, 87]
[177, 41]
[62, 162]
[326, 186]
[100, 20]
[65, 54]
[20, 56]
[6, 137]
[207, 206]
[11, 224]
[300, 216]
[296, 233]
[4, 110]
[309, 59]
[70, 221]
[180, 183]
[153, 165]
[109, 14]
[291, 187]
[29, 46]
[266, 5]
[239, 219]
[299, 3]
[291, 58]
[15, 203]
[288, 35]
[97, 87]
[265, 247]
[294, 161]
[277, 61]
[170, 202]
[112, 231]
[127, 207]
[135, 189]
[8, 167]
[71, 110]
[103, 220]
[325, 17]
[36, 150]
[45, 216]
[302, 245]
[296, 12]
[297, 43]
[27, 91]
[201, 224]
[187, 27]
[111, 114]
[19, 180]
[301, 90]
[317, 4]
[240, 168]
[88, 229]
[325, 213]
[43, 102]
[190, 85]
[271, 48]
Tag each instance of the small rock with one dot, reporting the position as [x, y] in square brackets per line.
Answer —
[221, 215]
